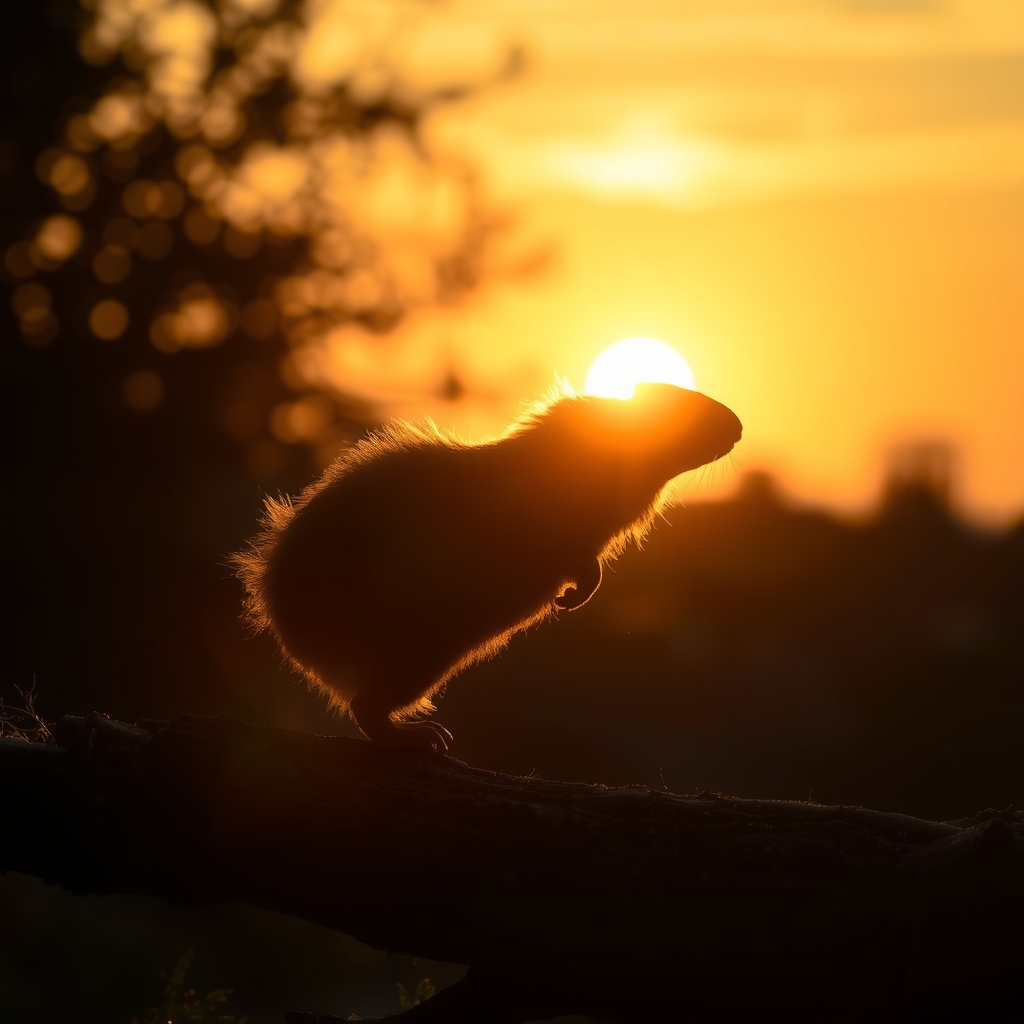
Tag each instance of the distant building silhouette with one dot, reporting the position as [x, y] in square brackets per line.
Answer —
[760, 488]
[920, 480]
[925, 465]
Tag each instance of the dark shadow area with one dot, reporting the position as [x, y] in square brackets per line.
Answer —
[752, 647]
[757, 647]
[98, 959]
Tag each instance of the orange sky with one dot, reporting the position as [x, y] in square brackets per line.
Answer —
[819, 203]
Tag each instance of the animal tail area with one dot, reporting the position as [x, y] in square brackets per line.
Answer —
[251, 563]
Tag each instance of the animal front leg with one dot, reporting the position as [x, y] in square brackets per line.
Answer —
[373, 718]
[586, 580]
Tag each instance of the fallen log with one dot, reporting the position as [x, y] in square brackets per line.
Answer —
[625, 904]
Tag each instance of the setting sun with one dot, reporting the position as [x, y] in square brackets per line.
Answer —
[616, 372]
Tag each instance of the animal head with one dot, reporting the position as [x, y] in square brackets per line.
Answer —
[662, 429]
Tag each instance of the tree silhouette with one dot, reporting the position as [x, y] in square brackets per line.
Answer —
[229, 184]
[229, 189]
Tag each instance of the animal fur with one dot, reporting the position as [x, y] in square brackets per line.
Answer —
[416, 555]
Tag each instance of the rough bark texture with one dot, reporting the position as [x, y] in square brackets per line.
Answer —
[625, 904]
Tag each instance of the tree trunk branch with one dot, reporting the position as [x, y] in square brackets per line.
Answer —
[625, 904]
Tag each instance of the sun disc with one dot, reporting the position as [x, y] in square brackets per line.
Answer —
[616, 372]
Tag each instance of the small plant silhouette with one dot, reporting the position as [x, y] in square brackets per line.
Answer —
[181, 1005]
[21, 720]
[423, 991]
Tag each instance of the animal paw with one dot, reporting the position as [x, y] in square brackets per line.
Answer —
[422, 737]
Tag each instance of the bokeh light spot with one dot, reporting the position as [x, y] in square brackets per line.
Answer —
[68, 174]
[305, 420]
[31, 305]
[112, 264]
[59, 238]
[116, 115]
[276, 174]
[201, 320]
[197, 167]
[141, 198]
[108, 319]
[222, 122]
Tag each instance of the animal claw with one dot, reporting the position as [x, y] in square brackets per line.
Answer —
[422, 736]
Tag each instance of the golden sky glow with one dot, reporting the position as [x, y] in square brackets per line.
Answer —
[819, 203]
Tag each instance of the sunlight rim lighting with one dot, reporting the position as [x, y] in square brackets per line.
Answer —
[616, 372]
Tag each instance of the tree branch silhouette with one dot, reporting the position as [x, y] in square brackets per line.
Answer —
[626, 904]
